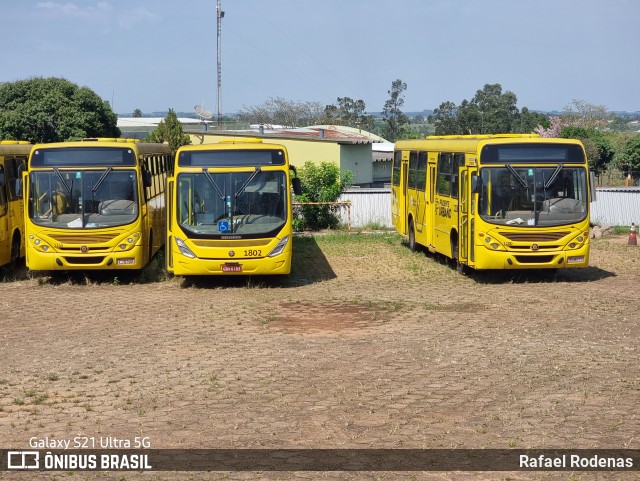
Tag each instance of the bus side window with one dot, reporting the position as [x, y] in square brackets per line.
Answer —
[445, 162]
[3, 192]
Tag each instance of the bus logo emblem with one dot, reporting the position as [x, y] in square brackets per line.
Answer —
[534, 247]
[232, 253]
[84, 249]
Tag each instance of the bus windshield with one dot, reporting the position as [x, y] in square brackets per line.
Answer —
[214, 204]
[83, 199]
[533, 196]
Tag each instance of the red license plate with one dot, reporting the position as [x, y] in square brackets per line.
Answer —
[231, 268]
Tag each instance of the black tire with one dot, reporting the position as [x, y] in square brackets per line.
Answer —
[412, 237]
[15, 251]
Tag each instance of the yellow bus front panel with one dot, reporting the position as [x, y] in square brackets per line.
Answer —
[49, 249]
[236, 257]
[566, 247]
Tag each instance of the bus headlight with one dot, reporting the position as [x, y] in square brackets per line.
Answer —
[277, 250]
[493, 244]
[184, 250]
[40, 244]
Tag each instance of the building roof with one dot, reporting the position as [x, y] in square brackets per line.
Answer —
[315, 133]
[152, 121]
[382, 151]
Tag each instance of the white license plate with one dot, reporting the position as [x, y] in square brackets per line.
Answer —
[231, 268]
[126, 260]
[575, 259]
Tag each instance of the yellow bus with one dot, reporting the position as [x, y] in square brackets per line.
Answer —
[229, 209]
[494, 201]
[95, 204]
[13, 160]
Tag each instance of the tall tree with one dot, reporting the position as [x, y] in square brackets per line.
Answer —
[580, 113]
[137, 113]
[53, 109]
[348, 112]
[394, 118]
[279, 111]
[445, 118]
[170, 130]
[490, 111]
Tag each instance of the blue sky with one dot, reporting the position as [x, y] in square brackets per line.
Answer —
[160, 54]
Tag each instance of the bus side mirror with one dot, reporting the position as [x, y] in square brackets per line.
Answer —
[476, 184]
[297, 185]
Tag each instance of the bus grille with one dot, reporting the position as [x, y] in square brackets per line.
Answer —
[534, 259]
[84, 238]
[534, 237]
[85, 260]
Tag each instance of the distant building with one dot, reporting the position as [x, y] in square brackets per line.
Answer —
[141, 127]
[349, 148]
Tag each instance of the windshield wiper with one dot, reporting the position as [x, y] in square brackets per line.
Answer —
[513, 171]
[64, 182]
[251, 177]
[553, 176]
[95, 188]
[207, 176]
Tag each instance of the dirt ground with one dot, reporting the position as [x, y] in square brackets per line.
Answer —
[365, 345]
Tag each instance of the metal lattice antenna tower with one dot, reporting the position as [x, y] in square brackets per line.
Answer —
[219, 15]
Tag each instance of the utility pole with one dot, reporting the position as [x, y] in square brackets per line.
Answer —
[219, 15]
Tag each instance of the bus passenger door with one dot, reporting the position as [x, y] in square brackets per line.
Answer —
[465, 226]
[463, 217]
[5, 241]
[399, 191]
[430, 201]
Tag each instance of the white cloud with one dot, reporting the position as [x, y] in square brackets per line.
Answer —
[69, 9]
[101, 11]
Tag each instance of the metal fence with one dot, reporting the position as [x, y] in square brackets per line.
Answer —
[369, 207]
[616, 206]
[372, 207]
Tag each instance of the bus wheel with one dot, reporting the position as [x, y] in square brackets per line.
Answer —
[15, 250]
[412, 237]
[455, 256]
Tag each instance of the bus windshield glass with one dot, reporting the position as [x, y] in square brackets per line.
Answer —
[83, 199]
[215, 204]
[533, 196]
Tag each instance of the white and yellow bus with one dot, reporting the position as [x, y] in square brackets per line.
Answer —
[495, 201]
[95, 204]
[13, 160]
[229, 209]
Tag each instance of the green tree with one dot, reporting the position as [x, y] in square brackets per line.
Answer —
[52, 110]
[349, 112]
[490, 111]
[599, 149]
[629, 157]
[445, 119]
[394, 118]
[137, 113]
[170, 130]
[321, 182]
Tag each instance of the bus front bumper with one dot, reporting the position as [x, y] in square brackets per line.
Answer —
[183, 266]
[57, 261]
[490, 259]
